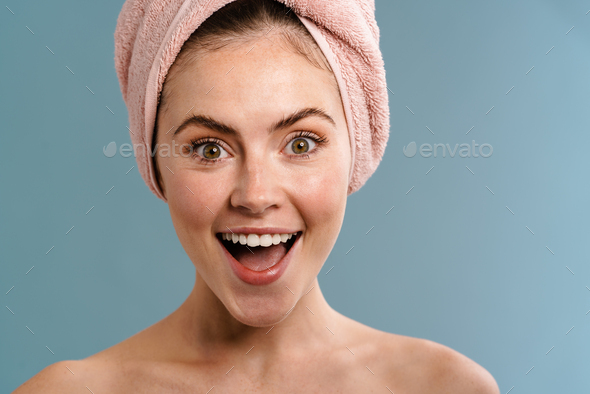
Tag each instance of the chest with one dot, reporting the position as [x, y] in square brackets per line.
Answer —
[297, 378]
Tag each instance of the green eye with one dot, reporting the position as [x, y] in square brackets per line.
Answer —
[300, 145]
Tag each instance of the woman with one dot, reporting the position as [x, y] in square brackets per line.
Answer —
[255, 160]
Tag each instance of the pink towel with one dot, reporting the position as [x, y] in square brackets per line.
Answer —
[150, 34]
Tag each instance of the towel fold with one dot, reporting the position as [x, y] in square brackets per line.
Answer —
[150, 34]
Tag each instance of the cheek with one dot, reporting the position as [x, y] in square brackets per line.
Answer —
[329, 184]
[321, 200]
[194, 200]
[325, 191]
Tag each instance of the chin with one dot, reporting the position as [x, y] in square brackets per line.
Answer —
[262, 310]
[256, 294]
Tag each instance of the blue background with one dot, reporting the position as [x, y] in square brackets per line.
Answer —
[450, 262]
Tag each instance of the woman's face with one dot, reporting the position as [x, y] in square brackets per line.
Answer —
[267, 153]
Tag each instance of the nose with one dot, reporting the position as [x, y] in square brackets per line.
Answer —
[258, 187]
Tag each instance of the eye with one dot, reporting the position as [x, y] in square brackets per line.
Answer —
[300, 146]
[209, 150]
[304, 144]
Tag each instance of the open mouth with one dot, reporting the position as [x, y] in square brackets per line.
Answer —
[258, 252]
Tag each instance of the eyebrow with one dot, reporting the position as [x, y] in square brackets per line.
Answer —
[210, 123]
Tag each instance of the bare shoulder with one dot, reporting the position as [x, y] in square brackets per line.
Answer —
[57, 378]
[431, 367]
[416, 365]
[102, 372]
[451, 371]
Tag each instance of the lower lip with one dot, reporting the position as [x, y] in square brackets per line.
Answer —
[259, 278]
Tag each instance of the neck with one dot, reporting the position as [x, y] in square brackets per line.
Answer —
[208, 330]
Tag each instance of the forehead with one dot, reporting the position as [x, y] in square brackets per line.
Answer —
[260, 79]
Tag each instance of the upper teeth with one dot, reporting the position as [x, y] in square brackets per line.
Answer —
[253, 240]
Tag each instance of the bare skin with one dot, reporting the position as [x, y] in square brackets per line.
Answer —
[231, 336]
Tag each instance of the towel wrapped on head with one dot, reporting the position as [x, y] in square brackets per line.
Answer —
[150, 34]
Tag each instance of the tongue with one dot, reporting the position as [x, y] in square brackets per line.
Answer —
[259, 258]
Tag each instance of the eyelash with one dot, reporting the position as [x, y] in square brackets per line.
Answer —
[320, 143]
